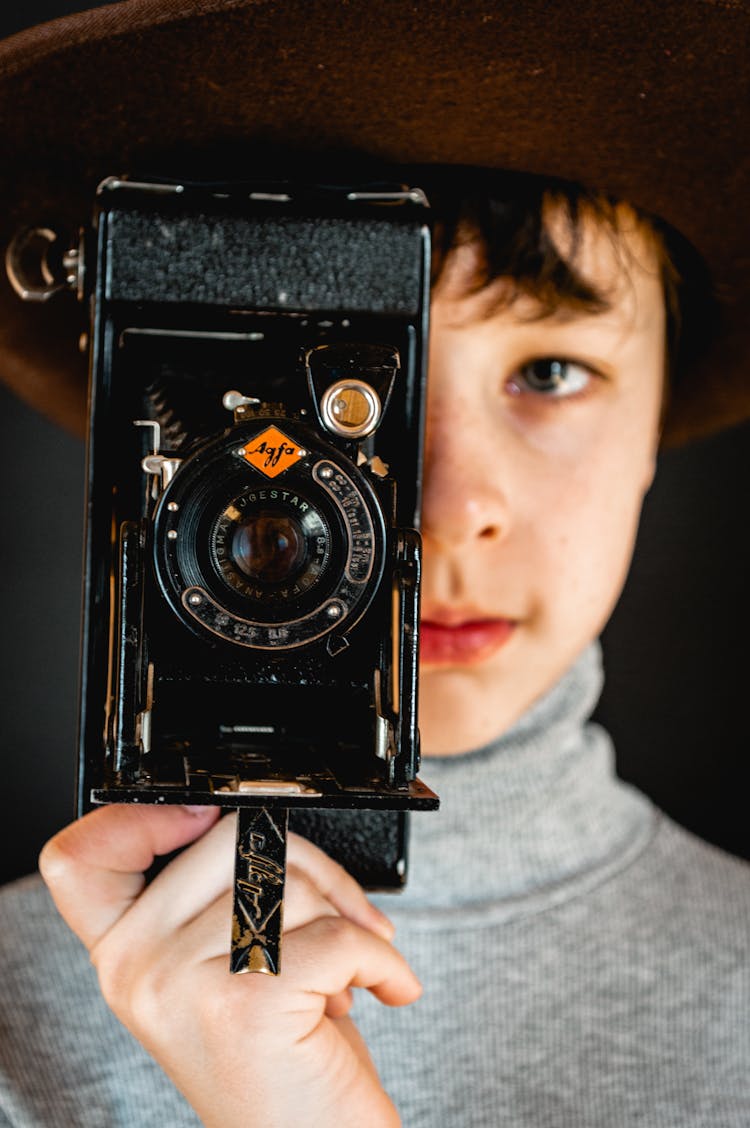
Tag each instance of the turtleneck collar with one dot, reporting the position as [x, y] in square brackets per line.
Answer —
[530, 815]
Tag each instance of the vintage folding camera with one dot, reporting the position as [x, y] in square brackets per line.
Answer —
[252, 562]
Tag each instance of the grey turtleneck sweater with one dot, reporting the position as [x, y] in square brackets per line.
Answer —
[585, 961]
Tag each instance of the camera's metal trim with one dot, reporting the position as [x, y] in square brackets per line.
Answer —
[154, 187]
[193, 334]
[405, 196]
[267, 787]
[414, 796]
[368, 395]
[216, 619]
[272, 193]
[16, 261]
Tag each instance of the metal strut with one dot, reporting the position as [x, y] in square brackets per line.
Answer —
[259, 872]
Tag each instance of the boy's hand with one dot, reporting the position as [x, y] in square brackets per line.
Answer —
[245, 1049]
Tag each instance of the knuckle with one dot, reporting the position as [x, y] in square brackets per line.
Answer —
[339, 932]
[139, 990]
[296, 878]
[114, 971]
[149, 997]
[305, 848]
[338, 878]
[225, 1008]
[250, 1005]
[330, 875]
[57, 859]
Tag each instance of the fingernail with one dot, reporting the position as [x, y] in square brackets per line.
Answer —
[201, 809]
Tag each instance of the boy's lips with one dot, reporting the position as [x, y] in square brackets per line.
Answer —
[446, 640]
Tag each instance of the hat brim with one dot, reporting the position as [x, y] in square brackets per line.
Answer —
[647, 102]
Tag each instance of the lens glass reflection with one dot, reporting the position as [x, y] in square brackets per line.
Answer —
[269, 546]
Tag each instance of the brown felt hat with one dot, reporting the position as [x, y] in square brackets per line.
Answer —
[643, 99]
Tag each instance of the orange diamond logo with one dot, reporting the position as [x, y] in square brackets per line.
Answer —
[272, 452]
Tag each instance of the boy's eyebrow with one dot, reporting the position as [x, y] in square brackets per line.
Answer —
[564, 295]
[568, 310]
[562, 308]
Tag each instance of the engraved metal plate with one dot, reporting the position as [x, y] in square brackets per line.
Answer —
[260, 868]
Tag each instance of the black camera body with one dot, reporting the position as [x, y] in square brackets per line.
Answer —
[252, 563]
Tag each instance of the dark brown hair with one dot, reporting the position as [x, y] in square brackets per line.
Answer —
[505, 213]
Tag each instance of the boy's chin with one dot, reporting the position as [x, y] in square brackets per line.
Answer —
[460, 711]
[465, 708]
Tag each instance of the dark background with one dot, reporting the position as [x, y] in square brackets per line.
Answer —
[676, 699]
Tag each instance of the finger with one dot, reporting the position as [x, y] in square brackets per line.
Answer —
[94, 867]
[192, 881]
[303, 901]
[332, 954]
[195, 881]
[338, 886]
[196, 878]
[207, 934]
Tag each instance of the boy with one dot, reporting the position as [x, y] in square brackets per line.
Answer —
[582, 959]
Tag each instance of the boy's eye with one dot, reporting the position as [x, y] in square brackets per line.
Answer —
[551, 376]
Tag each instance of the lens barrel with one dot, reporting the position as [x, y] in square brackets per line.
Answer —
[269, 562]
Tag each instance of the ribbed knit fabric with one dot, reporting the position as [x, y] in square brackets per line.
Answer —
[585, 961]
[537, 809]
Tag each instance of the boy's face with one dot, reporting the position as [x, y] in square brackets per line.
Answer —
[532, 496]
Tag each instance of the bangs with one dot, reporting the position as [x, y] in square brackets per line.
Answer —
[507, 220]
[507, 217]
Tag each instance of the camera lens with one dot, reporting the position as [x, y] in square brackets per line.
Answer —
[269, 565]
[269, 546]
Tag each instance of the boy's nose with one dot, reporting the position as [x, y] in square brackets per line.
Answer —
[463, 504]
